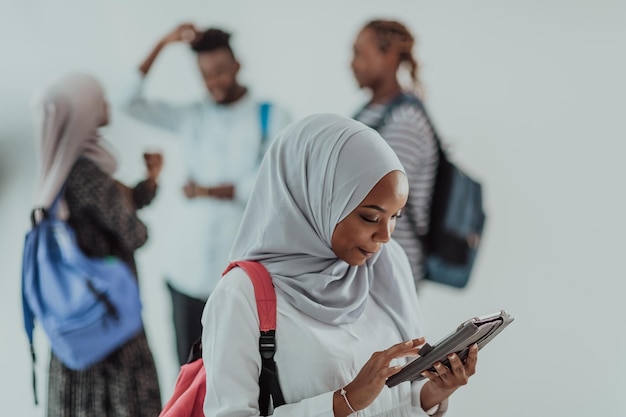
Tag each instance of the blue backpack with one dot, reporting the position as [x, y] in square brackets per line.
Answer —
[88, 307]
[457, 217]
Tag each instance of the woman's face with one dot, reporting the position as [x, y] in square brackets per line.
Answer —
[360, 235]
[370, 65]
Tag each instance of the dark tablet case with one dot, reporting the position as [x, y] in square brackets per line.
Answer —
[479, 330]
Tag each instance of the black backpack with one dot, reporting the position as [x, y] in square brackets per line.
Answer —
[457, 218]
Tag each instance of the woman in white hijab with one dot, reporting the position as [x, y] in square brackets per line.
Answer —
[73, 158]
[320, 219]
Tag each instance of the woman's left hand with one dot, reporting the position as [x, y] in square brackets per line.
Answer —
[446, 380]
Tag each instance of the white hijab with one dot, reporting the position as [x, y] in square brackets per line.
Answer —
[315, 174]
[67, 116]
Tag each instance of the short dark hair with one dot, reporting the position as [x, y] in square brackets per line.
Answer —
[211, 40]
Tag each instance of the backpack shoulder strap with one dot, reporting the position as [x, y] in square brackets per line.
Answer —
[40, 213]
[393, 104]
[400, 100]
[29, 325]
[263, 292]
[265, 296]
[264, 119]
[31, 246]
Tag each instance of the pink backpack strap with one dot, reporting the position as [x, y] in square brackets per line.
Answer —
[266, 306]
[263, 292]
[190, 389]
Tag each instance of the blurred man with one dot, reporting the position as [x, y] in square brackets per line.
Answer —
[224, 137]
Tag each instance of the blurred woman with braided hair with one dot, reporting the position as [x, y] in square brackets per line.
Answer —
[381, 50]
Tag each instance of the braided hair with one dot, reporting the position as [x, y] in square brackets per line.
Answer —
[394, 36]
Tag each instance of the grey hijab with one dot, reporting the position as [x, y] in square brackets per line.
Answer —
[67, 116]
[316, 172]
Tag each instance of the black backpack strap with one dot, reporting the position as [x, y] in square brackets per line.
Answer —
[265, 295]
[268, 380]
[400, 100]
[195, 352]
[34, 371]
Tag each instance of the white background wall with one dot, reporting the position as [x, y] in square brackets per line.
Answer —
[529, 94]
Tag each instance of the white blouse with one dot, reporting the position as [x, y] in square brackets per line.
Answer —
[314, 359]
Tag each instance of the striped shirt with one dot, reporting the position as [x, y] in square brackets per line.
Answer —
[410, 135]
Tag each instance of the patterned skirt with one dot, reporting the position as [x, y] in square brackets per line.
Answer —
[124, 384]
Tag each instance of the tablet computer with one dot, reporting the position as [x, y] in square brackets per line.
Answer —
[480, 330]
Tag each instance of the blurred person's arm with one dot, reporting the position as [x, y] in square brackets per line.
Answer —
[154, 112]
[145, 191]
[183, 33]
[220, 192]
[92, 191]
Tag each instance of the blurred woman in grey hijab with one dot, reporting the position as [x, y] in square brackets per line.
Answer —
[320, 219]
[74, 159]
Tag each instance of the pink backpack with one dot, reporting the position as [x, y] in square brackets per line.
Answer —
[189, 391]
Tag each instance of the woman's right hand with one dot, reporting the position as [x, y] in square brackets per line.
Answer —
[185, 32]
[368, 384]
